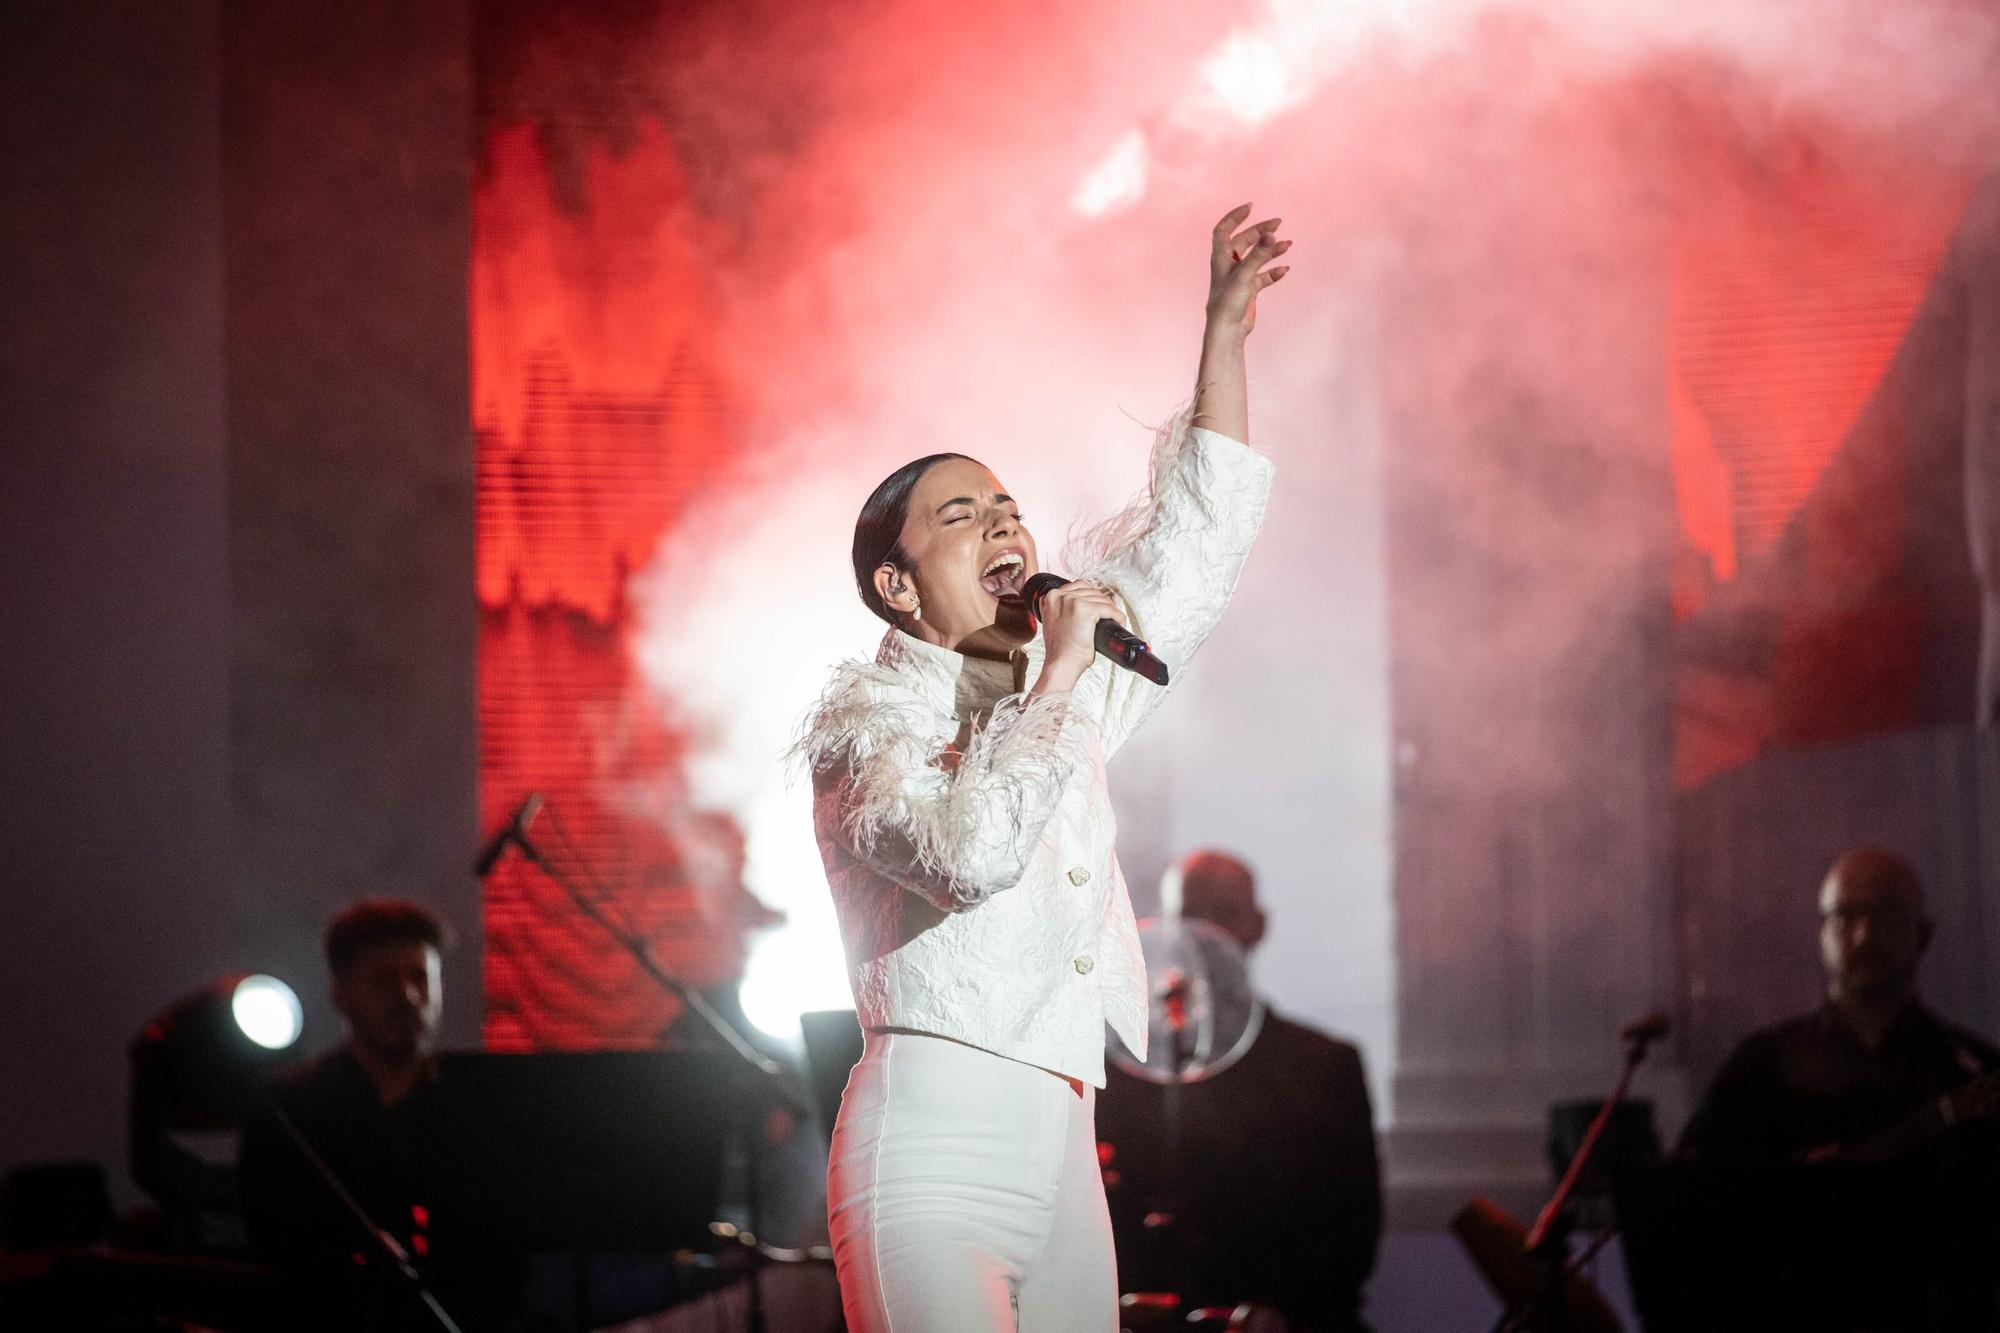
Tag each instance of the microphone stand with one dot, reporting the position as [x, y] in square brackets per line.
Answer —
[1548, 1239]
[766, 1070]
[380, 1241]
[1172, 1203]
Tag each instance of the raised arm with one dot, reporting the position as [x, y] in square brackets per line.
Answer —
[1236, 273]
[1173, 560]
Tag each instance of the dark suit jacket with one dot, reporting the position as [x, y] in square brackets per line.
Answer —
[1269, 1170]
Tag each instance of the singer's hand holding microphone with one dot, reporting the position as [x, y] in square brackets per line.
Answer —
[1080, 620]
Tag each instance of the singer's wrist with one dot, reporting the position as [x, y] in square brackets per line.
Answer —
[1058, 677]
[1222, 398]
[1222, 335]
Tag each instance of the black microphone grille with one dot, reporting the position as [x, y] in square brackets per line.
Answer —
[1038, 586]
[1647, 1027]
[530, 807]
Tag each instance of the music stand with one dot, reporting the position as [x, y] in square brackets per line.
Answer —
[833, 1047]
[584, 1152]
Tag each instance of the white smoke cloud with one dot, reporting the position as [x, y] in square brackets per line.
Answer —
[992, 241]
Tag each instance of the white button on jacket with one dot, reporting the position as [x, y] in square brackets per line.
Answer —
[974, 879]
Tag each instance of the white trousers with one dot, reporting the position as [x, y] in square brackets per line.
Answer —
[963, 1195]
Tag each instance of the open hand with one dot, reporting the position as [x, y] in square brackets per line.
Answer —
[1236, 271]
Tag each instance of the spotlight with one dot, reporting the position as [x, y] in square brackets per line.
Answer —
[203, 1055]
[196, 1067]
[268, 1011]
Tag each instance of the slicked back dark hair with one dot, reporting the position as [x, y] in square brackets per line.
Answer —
[376, 921]
[878, 533]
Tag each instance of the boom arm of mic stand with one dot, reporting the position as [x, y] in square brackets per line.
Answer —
[1546, 1239]
[383, 1243]
[766, 1067]
[1635, 1053]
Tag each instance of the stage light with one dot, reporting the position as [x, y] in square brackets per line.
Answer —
[268, 1011]
[203, 1055]
[792, 973]
[196, 1070]
[795, 965]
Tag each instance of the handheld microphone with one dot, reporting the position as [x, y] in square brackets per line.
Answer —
[1646, 1029]
[1116, 642]
[1173, 991]
[514, 833]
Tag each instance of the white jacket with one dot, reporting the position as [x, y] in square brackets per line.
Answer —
[966, 827]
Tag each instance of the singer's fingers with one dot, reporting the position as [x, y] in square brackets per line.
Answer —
[1230, 221]
[1084, 600]
[1224, 231]
[1079, 591]
[1262, 234]
[1254, 259]
[1087, 592]
[1107, 599]
[1221, 240]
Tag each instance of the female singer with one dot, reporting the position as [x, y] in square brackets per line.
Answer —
[961, 810]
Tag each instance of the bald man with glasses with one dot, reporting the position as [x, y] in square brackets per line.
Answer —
[1870, 1056]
